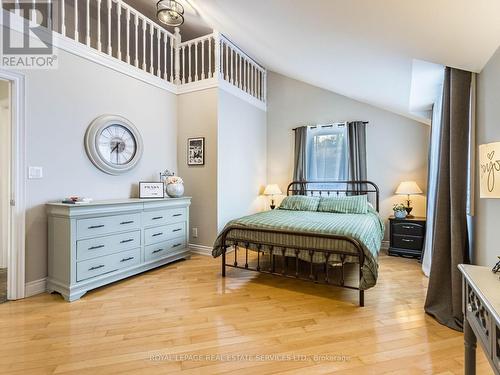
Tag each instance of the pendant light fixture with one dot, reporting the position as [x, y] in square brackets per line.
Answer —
[170, 12]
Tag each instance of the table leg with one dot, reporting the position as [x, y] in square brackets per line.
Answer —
[470, 349]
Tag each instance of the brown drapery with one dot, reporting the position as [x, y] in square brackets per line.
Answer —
[450, 240]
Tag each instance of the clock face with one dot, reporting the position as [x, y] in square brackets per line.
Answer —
[116, 145]
[113, 144]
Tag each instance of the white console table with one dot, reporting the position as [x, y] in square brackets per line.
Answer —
[481, 301]
[94, 244]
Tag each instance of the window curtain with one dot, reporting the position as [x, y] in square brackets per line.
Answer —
[300, 157]
[450, 245]
[356, 136]
[431, 185]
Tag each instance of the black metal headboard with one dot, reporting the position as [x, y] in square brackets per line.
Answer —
[330, 188]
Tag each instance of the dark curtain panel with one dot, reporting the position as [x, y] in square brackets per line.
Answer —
[356, 135]
[450, 239]
[300, 157]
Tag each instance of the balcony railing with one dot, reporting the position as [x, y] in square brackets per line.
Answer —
[114, 28]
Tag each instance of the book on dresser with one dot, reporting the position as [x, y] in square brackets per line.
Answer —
[104, 241]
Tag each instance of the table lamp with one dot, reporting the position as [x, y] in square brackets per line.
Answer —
[272, 190]
[408, 188]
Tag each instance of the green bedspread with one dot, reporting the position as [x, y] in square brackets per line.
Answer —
[367, 229]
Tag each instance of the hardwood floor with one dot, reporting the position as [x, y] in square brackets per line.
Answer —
[185, 318]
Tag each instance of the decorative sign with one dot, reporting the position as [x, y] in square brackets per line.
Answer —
[489, 170]
[151, 190]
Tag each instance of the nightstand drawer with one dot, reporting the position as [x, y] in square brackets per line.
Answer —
[405, 228]
[407, 242]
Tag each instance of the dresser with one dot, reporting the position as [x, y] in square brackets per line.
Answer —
[481, 307]
[94, 244]
[407, 236]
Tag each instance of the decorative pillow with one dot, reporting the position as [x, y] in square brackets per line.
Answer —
[300, 203]
[353, 204]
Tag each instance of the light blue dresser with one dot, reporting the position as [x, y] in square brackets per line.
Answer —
[95, 244]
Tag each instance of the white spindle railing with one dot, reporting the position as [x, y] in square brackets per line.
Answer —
[155, 50]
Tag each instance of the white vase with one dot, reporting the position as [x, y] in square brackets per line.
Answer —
[399, 214]
[175, 190]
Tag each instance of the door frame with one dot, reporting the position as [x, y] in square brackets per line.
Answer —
[16, 251]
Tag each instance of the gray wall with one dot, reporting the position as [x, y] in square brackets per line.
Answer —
[61, 104]
[397, 147]
[242, 158]
[487, 211]
[197, 117]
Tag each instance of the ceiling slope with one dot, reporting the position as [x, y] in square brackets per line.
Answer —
[363, 49]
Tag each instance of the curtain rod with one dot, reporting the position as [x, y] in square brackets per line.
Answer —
[329, 125]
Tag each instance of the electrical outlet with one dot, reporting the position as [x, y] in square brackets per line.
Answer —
[195, 232]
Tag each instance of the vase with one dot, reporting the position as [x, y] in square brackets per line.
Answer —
[175, 190]
[399, 214]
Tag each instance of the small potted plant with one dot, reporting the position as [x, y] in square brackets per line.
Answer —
[175, 186]
[399, 211]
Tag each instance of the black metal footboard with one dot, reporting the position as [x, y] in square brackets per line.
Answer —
[271, 250]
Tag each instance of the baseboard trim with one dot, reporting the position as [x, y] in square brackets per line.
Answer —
[200, 249]
[385, 245]
[35, 287]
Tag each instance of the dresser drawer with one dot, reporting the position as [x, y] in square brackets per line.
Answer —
[161, 217]
[99, 246]
[107, 224]
[407, 242]
[108, 263]
[411, 229]
[163, 249]
[164, 233]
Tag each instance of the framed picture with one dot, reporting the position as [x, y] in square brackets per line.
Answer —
[196, 151]
[151, 190]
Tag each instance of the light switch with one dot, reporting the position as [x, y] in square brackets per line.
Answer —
[35, 173]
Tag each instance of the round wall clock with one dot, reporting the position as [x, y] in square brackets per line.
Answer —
[113, 144]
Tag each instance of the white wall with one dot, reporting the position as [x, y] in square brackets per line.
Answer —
[61, 104]
[197, 117]
[5, 127]
[487, 211]
[242, 158]
[397, 147]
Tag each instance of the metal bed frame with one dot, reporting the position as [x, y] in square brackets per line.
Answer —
[311, 188]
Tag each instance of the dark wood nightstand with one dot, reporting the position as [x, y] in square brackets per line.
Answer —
[407, 236]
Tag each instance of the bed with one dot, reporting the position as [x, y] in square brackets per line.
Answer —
[287, 242]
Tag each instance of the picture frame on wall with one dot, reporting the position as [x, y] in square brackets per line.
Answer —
[151, 190]
[196, 151]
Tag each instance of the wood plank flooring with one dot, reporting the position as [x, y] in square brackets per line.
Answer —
[184, 318]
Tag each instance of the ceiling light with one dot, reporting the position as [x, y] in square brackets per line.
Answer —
[170, 12]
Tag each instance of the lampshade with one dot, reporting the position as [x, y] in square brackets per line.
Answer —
[408, 188]
[272, 189]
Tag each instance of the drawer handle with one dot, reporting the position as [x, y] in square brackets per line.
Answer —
[157, 251]
[96, 267]
[96, 226]
[157, 234]
[157, 218]
[407, 227]
[176, 230]
[126, 259]
[126, 222]
[96, 247]
[177, 245]
[406, 240]
[125, 241]
[174, 215]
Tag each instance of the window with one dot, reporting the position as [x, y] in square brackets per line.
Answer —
[327, 154]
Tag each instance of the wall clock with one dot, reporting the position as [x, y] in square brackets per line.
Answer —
[113, 144]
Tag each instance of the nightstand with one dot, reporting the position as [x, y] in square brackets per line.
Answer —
[407, 236]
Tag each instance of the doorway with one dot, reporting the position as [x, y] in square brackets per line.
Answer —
[5, 183]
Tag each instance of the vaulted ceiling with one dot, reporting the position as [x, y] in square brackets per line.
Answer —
[363, 49]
